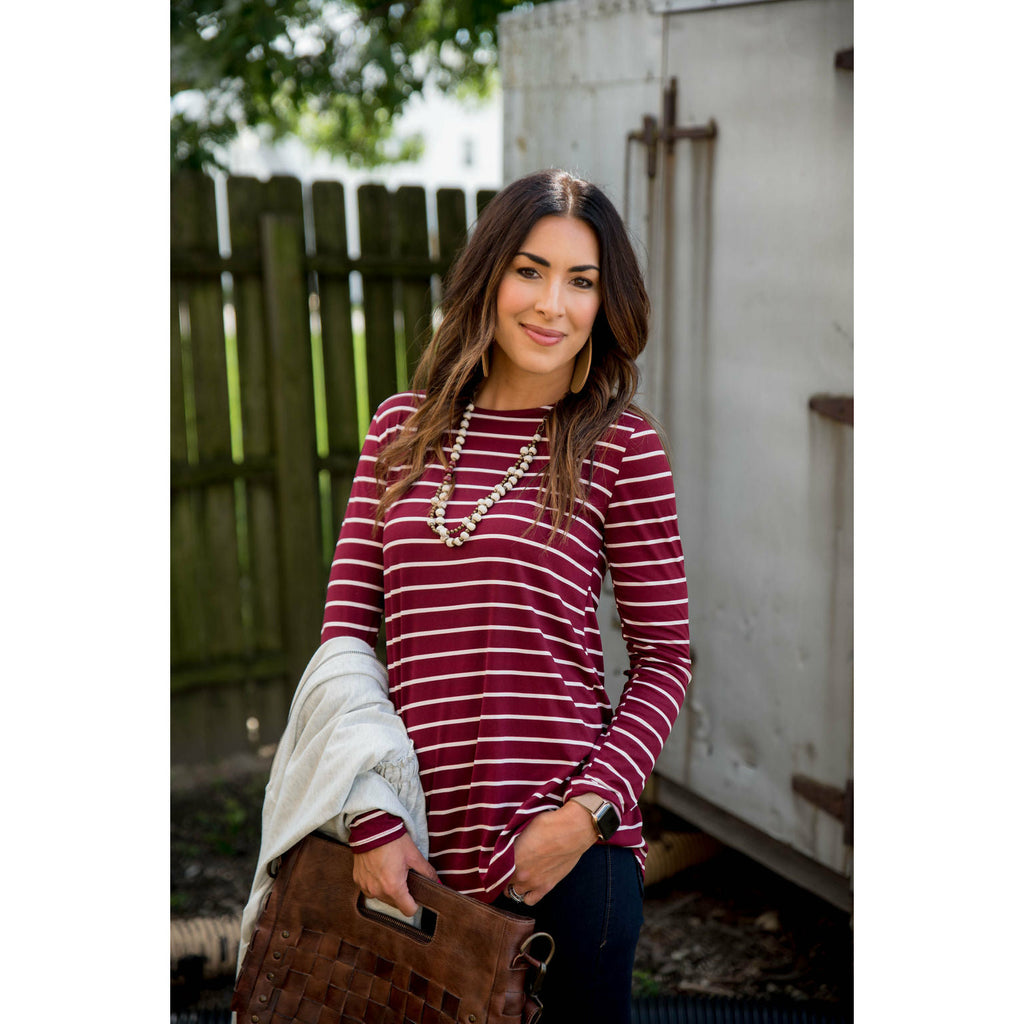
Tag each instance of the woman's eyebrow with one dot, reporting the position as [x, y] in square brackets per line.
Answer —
[544, 263]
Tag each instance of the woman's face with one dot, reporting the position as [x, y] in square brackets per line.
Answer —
[547, 301]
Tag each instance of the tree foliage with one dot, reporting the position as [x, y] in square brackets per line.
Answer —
[335, 73]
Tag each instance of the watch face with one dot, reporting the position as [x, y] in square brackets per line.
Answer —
[607, 821]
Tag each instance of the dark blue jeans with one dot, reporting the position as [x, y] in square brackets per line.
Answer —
[594, 915]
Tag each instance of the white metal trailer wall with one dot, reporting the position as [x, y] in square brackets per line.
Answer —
[748, 245]
[574, 74]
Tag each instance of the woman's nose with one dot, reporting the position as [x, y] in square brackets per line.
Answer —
[549, 302]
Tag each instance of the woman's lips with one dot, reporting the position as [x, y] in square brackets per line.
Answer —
[542, 336]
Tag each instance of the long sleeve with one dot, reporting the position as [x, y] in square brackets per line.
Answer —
[645, 559]
[355, 590]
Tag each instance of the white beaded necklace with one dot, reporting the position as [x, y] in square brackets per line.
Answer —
[435, 518]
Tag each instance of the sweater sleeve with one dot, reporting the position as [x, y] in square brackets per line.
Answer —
[355, 588]
[645, 559]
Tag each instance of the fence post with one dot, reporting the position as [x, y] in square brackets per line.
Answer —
[291, 378]
[248, 200]
[413, 242]
[451, 223]
[375, 244]
[343, 437]
[483, 197]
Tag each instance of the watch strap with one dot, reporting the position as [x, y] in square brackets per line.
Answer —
[600, 811]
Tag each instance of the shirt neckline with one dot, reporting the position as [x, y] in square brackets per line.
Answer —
[539, 410]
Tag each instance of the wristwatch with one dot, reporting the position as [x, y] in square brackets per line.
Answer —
[606, 818]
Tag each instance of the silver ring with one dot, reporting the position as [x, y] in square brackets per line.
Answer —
[513, 895]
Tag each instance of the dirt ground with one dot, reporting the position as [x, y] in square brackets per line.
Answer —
[726, 927]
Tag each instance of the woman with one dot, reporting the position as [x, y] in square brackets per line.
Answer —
[488, 505]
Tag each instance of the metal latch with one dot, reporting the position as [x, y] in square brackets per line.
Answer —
[669, 132]
[653, 135]
[833, 407]
[831, 799]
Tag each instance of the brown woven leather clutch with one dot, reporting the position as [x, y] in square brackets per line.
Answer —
[320, 956]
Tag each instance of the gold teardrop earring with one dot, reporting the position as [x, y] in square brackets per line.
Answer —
[581, 370]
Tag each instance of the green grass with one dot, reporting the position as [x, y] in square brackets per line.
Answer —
[645, 985]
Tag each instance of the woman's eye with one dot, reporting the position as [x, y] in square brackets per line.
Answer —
[583, 282]
[529, 272]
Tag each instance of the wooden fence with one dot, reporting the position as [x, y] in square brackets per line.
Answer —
[268, 372]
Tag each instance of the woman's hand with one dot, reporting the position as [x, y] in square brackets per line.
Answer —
[382, 874]
[549, 848]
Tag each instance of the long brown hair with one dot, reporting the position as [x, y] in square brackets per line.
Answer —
[449, 371]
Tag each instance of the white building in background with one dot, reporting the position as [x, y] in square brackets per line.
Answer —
[463, 148]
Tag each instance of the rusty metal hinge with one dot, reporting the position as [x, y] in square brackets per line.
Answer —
[831, 799]
[834, 407]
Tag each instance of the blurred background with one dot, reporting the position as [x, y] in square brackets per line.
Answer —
[327, 162]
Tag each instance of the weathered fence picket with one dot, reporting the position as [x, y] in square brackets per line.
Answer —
[375, 243]
[337, 346]
[248, 515]
[291, 376]
[413, 249]
[451, 223]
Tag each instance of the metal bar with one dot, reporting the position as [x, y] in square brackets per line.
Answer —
[701, 131]
[669, 133]
[827, 798]
[834, 407]
[668, 114]
[831, 799]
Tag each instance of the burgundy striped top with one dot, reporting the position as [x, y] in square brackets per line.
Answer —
[493, 648]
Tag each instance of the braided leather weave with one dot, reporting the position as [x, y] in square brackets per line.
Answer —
[318, 956]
